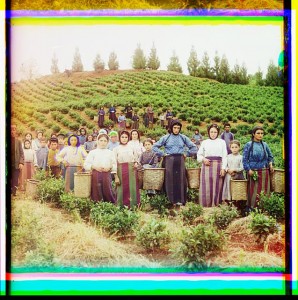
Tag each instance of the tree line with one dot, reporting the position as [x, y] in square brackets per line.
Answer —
[219, 70]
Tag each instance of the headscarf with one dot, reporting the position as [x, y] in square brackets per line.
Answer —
[253, 131]
[136, 132]
[123, 132]
[213, 126]
[78, 140]
[175, 122]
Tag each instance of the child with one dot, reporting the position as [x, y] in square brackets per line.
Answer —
[30, 163]
[82, 136]
[148, 159]
[128, 193]
[113, 140]
[42, 154]
[72, 157]
[53, 164]
[234, 168]
[135, 143]
[28, 137]
[61, 142]
[135, 119]
[89, 144]
[227, 136]
[102, 162]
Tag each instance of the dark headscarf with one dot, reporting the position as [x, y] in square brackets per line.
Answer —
[213, 126]
[78, 140]
[174, 122]
[253, 131]
[136, 132]
[123, 132]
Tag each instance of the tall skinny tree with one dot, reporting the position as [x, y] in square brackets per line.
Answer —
[215, 68]
[77, 65]
[139, 59]
[98, 64]
[224, 70]
[54, 66]
[193, 63]
[113, 63]
[174, 64]
[153, 61]
[205, 68]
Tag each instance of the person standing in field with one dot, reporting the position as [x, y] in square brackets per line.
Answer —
[72, 158]
[227, 136]
[112, 113]
[17, 159]
[54, 168]
[113, 142]
[128, 111]
[197, 137]
[121, 121]
[128, 193]
[234, 169]
[37, 140]
[213, 156]
[135, 121]
[169, 117]
[136, 143]
[89, 144]
[258, 163]
[28, 136]
[83, 136]
[42, 154]
[102, 163]
[101, 117]
[177, 147]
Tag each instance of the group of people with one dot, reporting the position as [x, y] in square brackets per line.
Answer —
[128, 114]
[117, 156]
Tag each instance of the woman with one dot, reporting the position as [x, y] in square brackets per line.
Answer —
[128, 193]
[177, 146]
[101, 117]
[213, 155]
[72, 158]
[135, 143]
[258, 162]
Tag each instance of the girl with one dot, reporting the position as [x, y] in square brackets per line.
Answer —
[213, 155]
[82, 136]
[234, 168]
[72, 157]
[30, 161]
[257, 162]
[128, 193]
[121, 121]
[148, 159]
[89, 144]
[28, 137]
[135, 143]
[102, 162]
[37, 140]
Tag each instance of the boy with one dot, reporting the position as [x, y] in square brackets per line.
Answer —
[53, 165]
[227, 136]
[61, 142]
[113, 135]
[42, 154]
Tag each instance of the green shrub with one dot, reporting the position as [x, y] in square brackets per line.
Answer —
[161, 203]
[50, 190]
[190, 212]
[192, 195]
[196, 243]
[273, 204]
[153, 235]
[40, 174]
[262, 225]
[224, 215]
[114, 219]
[71, 203]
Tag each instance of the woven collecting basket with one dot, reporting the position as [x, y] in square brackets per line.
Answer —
[82, 184]
[31, 188]
[193, 177]
[141, 178]
[153, 178]
[238, 189]
[278, 181]
[95, 118]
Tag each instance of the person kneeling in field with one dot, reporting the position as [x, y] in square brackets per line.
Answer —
[102, 162]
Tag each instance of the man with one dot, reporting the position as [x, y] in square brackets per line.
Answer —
[227, 136]
[17, 159]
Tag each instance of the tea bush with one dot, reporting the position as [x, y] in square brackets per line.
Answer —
[192, 195]
[190, 212]
[153, 235]
[50, 190]
[273, 204]
[196, 243]
[161, 203]
[262, 225]
[114, 219]
[224, 216]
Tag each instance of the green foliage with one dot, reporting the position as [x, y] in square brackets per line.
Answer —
[262, 225]
[196, 243]
[77, 65]
[190, 212]
[40, 174]
[153, 235]
[273, 205]
[42, 256]
[50, 190]
[161, 203]
[70, 202]
[223, 216]
[114, 219]
[139, 59]
[192, 195]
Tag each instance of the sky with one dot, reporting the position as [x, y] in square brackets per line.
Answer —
[251, 45]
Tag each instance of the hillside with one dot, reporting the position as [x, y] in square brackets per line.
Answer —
[61, 103]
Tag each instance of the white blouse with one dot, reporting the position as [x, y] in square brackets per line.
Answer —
[137, 146]
[125, 153]
[30, 156]
[215, 147]
[74, 156]
[101, 158]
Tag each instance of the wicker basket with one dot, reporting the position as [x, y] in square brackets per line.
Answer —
[95, 118]
[141, 178]
[31, 188]
[82, 184]
[238, 189]
[153, 178]
[278, 181]
[193, 177]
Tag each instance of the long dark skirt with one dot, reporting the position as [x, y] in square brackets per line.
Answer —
[101, 119]
[101, 187]
[211, 183]
[254, 188]
[175, 183]
[112, 116]
[69, 177]
[128, 193]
